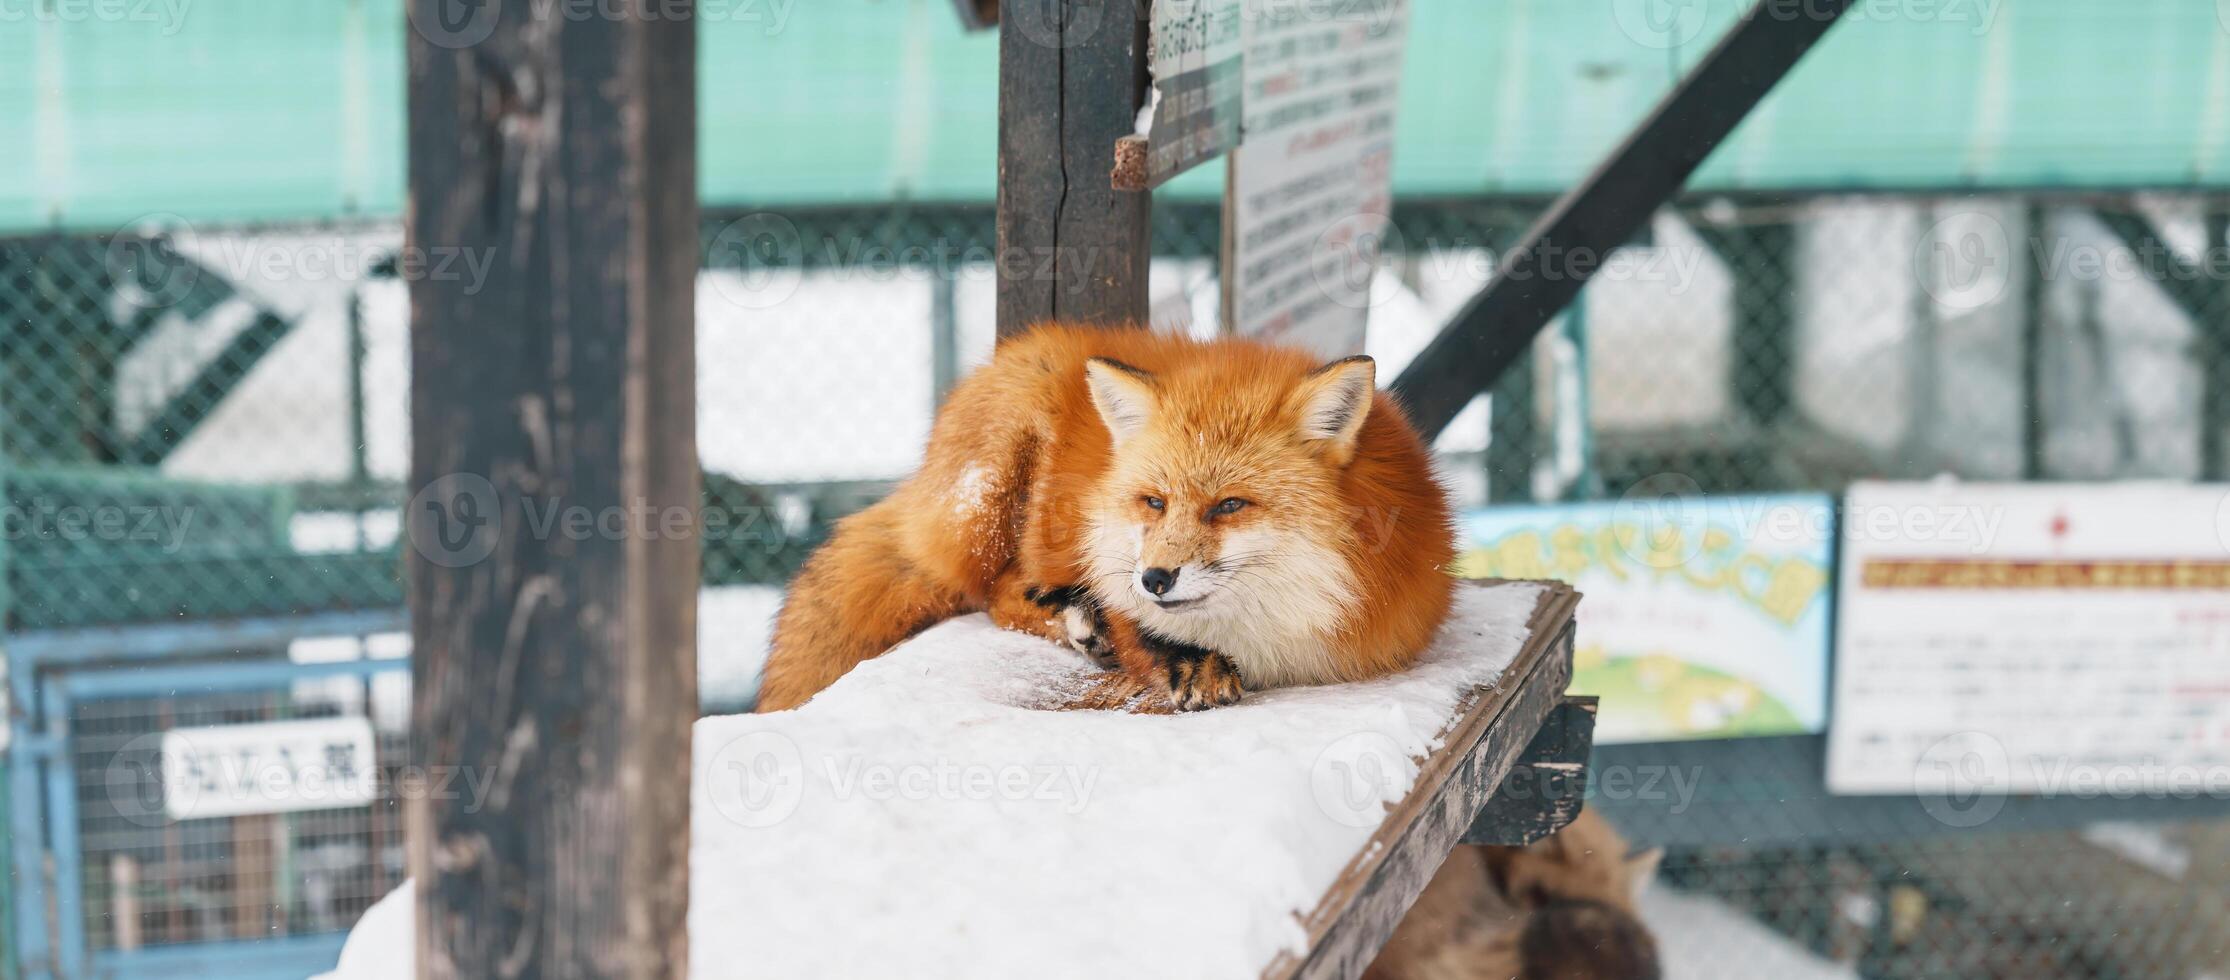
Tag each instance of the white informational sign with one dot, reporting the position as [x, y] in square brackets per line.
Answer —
[1192, 112]
[1703, 617]
[268, 767]
[1312, 182]
[2064, 640]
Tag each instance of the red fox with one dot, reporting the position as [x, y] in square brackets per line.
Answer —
[1559, 909]
[1206, 516]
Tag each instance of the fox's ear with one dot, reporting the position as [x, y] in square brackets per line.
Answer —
[1123, 394]
[1334, 400]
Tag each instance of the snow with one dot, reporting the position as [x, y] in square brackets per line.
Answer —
[735, 625]
[1702, 938]
[928, 815]
[972, 491]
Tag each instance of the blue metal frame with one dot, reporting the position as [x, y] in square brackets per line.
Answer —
[289, 958]
[48, 673]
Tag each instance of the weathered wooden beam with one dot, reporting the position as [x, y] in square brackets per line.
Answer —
[1361, 910]
[1566, 246]
[1546, 789]
[1072, 74]
[554, 669]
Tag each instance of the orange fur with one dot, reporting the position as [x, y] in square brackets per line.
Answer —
[1559, 909]
[1025, 490]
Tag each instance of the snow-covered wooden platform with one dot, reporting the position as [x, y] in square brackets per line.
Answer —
[941, 811]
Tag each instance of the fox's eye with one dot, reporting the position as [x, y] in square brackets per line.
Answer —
[1228, 505]
[1156, 502]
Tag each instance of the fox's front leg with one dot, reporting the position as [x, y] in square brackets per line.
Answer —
[1063, 614]
[1194, 677]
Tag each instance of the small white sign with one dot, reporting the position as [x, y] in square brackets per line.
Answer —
[1311, 184]
[2057, 639]
[1192, 112]
[268, 767]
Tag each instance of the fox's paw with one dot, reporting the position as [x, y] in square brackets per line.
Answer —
[1087, 635]
[1211, 681]
[1077, 620]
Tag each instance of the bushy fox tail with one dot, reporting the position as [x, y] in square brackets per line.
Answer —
[858, 596]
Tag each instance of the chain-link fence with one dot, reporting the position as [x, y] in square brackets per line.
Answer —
[204, 424]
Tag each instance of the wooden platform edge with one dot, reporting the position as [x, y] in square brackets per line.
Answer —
[1361, 909]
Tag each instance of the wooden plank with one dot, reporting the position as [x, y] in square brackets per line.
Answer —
[1567, 245]
[1546, 789]
[558, 669]
[1072, 74]
[1477, 750]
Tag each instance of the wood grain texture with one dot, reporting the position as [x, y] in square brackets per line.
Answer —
[1360, 911]
[1545, 791]
[1072, 74]
[556, 671]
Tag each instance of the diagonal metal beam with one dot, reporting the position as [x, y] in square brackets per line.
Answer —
[2200, 293]
[1564, 248]
[194, 403]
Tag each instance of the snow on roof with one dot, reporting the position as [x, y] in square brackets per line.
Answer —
[931, 814]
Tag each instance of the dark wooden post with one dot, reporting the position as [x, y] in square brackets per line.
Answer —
[1071, 247]
[554, 666]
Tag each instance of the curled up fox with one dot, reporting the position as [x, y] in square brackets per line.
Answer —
[1207, 517]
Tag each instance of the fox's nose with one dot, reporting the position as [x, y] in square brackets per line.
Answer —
[1158, 580]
